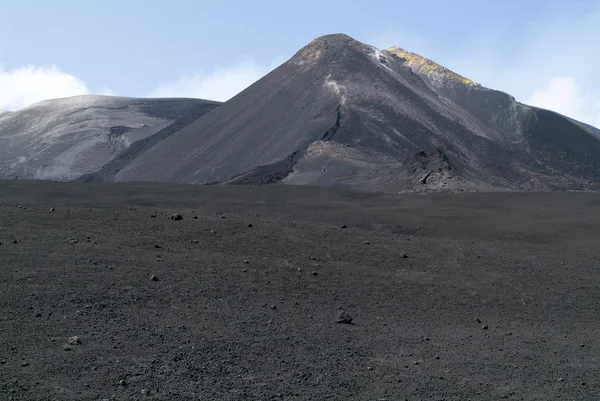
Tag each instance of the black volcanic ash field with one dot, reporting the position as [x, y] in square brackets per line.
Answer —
[497, 297]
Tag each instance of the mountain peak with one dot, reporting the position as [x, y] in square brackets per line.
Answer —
[327, 44]
[426, 66]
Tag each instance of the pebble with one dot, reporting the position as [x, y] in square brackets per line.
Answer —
[74, 340]
[344, 318]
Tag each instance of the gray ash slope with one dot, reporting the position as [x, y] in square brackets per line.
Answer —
[63, 139]
[341, 112]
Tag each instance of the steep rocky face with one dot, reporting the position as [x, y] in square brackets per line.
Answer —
[64, 138]
[341, 112]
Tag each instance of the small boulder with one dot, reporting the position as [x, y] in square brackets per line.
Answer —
[344, 318]
[74, 340]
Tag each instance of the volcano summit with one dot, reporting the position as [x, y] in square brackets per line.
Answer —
[343, 113]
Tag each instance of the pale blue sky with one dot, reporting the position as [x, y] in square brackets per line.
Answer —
[533, 49]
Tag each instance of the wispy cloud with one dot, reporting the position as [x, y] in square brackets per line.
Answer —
[220, 84]
[24, 86]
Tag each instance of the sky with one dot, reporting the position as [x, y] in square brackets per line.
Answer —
[543, 52]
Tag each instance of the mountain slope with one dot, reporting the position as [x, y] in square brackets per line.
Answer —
[62, 139]
[344, 113]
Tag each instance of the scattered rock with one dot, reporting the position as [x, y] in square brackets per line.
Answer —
[367, 243]
[157, 246]
[144, 391]
[152, 216]
[344, 226]
[74, 340]
[478, 320]
[250, 225]
[314, 273]
[194, 241]
[25, 364]
[176, 217]
[154, 277]
[344, 318]
[404, 256]
[485, 327]
[52, 209]
[273, 307]
[122, 383]
[247, 261]
[131, 208]
[195, 217]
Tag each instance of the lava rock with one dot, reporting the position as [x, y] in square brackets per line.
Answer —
[344, 318]
[74, 340]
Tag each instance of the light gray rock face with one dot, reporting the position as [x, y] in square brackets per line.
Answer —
[63, 139]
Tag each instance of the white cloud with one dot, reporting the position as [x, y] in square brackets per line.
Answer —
[566, 96]
[27, 85]
[221, 84]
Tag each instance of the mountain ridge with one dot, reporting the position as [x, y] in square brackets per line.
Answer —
[344, 113]
[64, 138]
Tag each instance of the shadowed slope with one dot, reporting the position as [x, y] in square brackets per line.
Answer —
[352, 115]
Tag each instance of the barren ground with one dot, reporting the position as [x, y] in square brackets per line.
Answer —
[497, 298]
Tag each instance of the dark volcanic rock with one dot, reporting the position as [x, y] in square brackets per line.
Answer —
[344, 318]
[344, 113]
